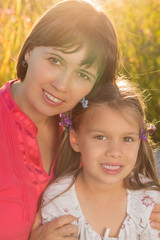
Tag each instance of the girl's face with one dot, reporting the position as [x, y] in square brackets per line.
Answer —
[108, 144]
[55, 81]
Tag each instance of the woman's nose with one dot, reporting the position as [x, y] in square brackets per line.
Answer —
[62, 82]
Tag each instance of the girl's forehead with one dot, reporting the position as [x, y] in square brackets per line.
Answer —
[103, 110]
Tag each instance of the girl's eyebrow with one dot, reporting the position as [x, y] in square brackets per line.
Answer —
[132, 133]
[103, 132]
[96, 130]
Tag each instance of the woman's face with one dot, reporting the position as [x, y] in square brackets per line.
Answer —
[55, 81]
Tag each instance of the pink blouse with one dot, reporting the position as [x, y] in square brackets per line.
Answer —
[22, 177]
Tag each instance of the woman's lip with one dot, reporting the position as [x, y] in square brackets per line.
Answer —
[46, 92]
[50, 99]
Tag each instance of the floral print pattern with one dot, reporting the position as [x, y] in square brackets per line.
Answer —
[135, 226]
[147, 201]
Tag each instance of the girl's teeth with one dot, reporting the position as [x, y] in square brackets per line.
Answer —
[111, 167]
[52, 98]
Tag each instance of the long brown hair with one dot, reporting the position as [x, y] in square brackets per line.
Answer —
[69, 25]
[119, 96]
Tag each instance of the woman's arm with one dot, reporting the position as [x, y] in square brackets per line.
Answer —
[58, 229]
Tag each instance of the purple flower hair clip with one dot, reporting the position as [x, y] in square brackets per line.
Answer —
[84, 103]
[147, 131]
[65, 121]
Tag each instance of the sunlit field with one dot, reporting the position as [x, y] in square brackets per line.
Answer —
[137, 23]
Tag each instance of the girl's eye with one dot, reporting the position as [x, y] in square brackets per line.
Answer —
[127, 139]
[100, 137]
[55, 60]
[83, 75]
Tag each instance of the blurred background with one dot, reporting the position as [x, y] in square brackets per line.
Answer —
[137, 23]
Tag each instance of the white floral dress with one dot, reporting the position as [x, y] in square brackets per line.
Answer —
[135, 226]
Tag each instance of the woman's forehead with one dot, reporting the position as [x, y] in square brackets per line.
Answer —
[90, 58]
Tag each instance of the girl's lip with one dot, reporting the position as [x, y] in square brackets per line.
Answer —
[111, 168]
[111, 164]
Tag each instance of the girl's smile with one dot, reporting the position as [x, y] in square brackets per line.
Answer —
[111, 168]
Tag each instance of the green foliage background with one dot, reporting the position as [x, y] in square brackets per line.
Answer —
[137, 23]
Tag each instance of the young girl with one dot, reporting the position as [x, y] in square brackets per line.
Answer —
[107, 174]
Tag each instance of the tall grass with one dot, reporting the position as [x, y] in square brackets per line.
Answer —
[16, 20]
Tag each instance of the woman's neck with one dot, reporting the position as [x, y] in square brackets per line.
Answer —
[48, 130]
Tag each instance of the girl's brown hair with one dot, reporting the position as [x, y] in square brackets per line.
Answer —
[69, 25]
[124, 95]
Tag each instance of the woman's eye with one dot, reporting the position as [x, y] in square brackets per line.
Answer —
[83, 75]
[127, 139]
[100, 137]
[55, 60]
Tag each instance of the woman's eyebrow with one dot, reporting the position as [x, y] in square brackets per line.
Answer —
[84, 70]
[89, 73]
[54, 54]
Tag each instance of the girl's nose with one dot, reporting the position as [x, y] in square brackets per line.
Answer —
[114, 149]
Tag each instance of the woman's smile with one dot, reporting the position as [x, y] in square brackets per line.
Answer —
[51, 99]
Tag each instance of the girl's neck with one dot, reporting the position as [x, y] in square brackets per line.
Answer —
[92, 186]
[109, 205]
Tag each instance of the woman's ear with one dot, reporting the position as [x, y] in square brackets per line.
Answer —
[27, 54]
[74, 140]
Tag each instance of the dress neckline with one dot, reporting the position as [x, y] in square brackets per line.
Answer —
[106, 235]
